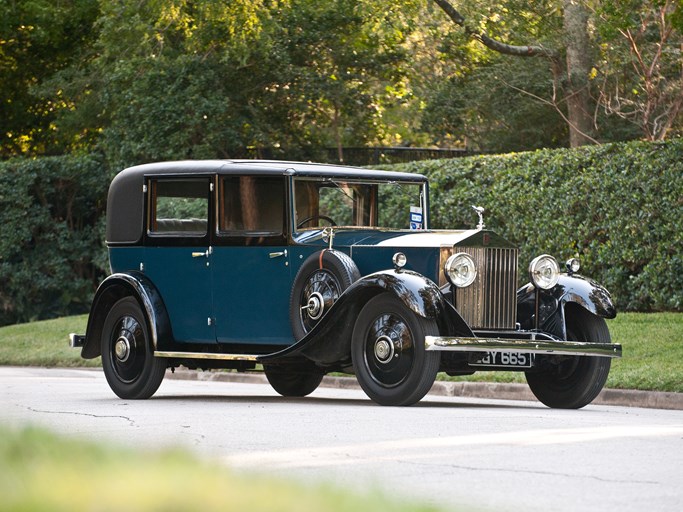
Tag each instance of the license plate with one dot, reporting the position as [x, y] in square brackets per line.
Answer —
[505, 360]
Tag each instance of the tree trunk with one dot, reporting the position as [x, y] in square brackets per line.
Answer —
[578, 70]
[578, 63]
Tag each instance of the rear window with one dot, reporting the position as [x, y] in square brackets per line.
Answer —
[179, 207]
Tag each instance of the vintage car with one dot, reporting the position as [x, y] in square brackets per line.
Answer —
[299, 269]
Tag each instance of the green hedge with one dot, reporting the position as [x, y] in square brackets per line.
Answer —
[52, 253]
[618, 207]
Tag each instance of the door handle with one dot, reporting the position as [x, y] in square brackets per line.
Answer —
[200, 254]
[278, 254]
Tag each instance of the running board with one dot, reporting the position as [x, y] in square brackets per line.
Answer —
[207, 355]
[567, 348]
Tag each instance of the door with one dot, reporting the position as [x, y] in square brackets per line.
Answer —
[178, 254]
[250, 262]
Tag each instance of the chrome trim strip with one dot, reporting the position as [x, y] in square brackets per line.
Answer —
[206, 355]
[568, 348]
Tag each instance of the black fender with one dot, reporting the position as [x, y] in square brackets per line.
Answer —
[115, 287]
[329, 342]
[570, 289]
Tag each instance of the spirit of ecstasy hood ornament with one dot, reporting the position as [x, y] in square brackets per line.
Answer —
[480, 212]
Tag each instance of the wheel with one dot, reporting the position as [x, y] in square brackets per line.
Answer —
[388, 352]
[566, 382]
[320, 281]
[296, 381]
[129, 365]
[315, 217]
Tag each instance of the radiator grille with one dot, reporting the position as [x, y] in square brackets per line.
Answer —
[491, 301]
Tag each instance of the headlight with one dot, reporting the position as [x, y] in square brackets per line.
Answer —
[544, 271]
[460, 270]
[573, 265]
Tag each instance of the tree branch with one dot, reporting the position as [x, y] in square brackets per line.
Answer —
[555, 106]
[498, 46]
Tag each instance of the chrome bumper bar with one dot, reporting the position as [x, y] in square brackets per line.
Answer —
[76, 340]
[564, 348]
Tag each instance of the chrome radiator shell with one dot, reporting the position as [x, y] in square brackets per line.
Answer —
[490, 302]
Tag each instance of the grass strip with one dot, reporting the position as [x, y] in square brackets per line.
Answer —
[653, 350]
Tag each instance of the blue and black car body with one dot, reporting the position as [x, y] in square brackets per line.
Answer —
[304, 269]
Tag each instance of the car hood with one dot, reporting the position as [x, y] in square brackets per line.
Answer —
[429, 238]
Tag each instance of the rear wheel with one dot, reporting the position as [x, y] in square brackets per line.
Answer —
[294, 381]
[566, 382]
[388, 352]
[128, 361]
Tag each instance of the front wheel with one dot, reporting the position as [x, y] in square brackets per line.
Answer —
[128, 362]
[566, 382]
[388, 352]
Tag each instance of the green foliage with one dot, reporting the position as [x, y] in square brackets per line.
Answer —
[51, 248]
[38, 39]
[618, 207]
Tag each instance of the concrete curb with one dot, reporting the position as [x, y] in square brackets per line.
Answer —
[489, 390]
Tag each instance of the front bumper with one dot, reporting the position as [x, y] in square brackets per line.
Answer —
[534, 343]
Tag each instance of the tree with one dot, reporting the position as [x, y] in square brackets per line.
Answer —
[37, 39]
[571, 74]
[640, 72]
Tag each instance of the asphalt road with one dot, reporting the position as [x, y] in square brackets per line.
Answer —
[474, 453]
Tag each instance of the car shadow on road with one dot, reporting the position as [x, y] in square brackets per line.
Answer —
[334, 402]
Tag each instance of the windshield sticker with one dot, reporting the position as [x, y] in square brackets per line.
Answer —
[416, 218]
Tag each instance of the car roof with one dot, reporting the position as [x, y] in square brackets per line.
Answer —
[126, 198]
[274, 167]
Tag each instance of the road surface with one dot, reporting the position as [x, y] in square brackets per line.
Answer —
[488, 454]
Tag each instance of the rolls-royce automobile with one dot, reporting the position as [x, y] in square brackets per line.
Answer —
[298, 270]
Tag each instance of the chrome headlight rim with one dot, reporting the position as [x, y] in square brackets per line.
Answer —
[460, 270]
[544, 271]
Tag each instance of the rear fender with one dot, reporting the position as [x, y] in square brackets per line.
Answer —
[114, 288]
[329, 342]
[574, 289]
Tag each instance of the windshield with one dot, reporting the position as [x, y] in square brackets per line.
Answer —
[350, 203]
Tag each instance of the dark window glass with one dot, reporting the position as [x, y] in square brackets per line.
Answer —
[252, 204]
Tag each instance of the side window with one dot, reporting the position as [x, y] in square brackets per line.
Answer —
[252, 204]
[179, 207]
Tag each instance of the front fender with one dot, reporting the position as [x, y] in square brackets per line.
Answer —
[576, 289]
[114, 288]
[329, 342]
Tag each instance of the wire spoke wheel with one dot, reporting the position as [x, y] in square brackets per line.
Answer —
[321, 291]
[318, 284]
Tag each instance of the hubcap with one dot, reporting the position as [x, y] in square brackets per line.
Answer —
[122, 349]
[384, 349]
[315, 306]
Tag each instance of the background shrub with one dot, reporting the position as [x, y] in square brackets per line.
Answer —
[618, 207]
[52, 253]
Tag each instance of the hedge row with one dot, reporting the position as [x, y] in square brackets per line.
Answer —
[51, 244]
[618, 207]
